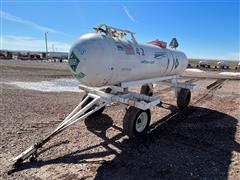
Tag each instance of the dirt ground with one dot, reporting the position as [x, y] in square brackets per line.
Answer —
[202, 142]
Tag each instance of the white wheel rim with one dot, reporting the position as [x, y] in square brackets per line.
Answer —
[141, 122]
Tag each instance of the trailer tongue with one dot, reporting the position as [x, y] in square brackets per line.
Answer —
[76, 115]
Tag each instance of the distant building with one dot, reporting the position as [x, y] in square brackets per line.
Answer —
[6, 54]
[58, 55]
[222, 65]
[204, 63]
[32, 55]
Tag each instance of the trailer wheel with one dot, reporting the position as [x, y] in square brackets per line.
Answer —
[183, 98]
[136, 122]
[146, 90]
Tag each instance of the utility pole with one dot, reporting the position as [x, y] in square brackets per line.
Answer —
[46, 44]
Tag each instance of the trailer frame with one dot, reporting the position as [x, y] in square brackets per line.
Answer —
[100, 98]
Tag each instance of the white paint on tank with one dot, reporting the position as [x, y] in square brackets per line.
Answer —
[98, 60]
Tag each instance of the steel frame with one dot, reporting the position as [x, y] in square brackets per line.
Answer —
[118, 94]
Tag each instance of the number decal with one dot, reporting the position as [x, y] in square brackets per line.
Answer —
[140, 53]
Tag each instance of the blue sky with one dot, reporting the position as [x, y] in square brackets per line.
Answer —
[204, 29]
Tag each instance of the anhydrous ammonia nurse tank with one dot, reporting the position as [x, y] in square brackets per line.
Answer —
[107, 57]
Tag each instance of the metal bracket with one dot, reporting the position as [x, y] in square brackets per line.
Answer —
[176, 84]
[111, 29]
[147, 81]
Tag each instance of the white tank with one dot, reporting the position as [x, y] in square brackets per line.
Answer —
[99, 59]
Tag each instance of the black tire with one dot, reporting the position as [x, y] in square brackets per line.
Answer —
[183, 98]
[146, 90]
[129, 122]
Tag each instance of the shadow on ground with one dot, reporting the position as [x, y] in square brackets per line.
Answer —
[195, 143]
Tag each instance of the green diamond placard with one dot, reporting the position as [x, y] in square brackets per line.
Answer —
[73, 61]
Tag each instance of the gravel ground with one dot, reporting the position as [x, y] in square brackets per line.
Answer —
[202, 142]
